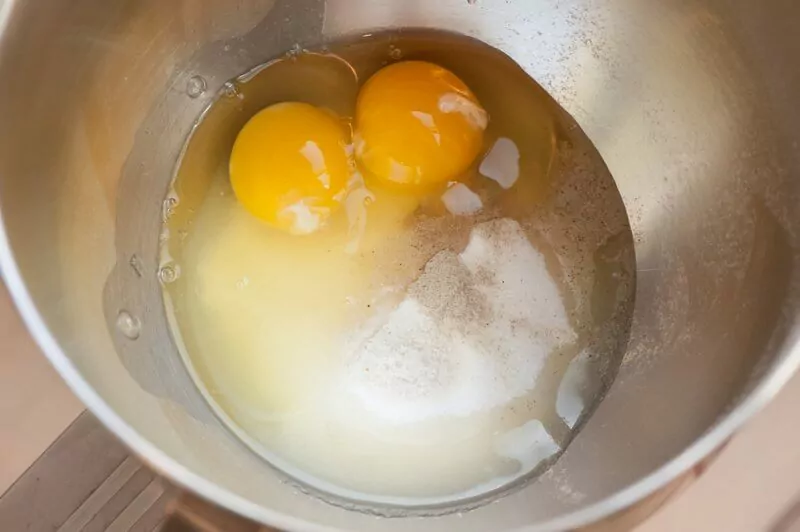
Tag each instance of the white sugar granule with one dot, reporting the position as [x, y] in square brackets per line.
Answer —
[459, 200]
[472, 333]
[501, 164]
[574, 386]
[529, 444]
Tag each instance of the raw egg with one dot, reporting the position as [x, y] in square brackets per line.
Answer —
[417, 124]
[289, 166]
[437, 337]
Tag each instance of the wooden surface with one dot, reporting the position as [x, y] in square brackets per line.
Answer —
[86, 481]
[35, 404]
[754, 484]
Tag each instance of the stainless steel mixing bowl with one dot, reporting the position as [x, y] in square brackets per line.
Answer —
[692, 103]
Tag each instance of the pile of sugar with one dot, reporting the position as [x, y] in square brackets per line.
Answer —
[472, 333]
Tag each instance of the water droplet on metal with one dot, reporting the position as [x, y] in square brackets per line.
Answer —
[128, 324]
[294, 51]
[230, 90]
[196, 86]
[137, 266]
[169, 273]
[168, 207]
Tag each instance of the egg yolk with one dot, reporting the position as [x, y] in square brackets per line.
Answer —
[289, 166]
[417, 124]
